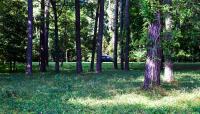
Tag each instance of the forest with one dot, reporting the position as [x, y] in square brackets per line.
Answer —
[100, 56]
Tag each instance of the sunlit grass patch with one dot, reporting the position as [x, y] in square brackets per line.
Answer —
[181, 102]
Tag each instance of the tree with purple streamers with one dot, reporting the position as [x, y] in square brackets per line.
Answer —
[153, 62]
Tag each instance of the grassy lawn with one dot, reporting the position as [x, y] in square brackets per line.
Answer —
[113, 91]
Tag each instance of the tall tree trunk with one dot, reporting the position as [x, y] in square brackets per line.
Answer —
[14, 66]
[42, 38]
[11, 68]
[30, 37]
[115, 34]
[168, 68]
[47, 5]
[153, 62]
[121, 33]
[94, 37]
[100, 37]
[53, 2]
[127, 20]
[78, 40]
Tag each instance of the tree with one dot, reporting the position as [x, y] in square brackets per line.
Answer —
[78, 40]
[127, 20]
[42, 37]
[94, 42]
[115, 34]
[168, 68]
[121, 33]
[30, 37]
[153, 62]
[46, 26]
[13, 32]
[56, 48]
[100, 37]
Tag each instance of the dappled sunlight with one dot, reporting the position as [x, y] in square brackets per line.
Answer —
[181, 100]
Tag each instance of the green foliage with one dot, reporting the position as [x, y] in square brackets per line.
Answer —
[138, 55]
[149, 8]
[58, 55]
[185, 30]
[13, 30]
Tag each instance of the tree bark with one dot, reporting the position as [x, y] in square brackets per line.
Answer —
[94, 37]
[153, 62]
[47, 5]
[168, 71]
[78, 40]
[121, 34]
[115, 34]
[168, 68]
[30, 37]
[42, 38]
[11, 68]
[127, 20]
[100, 37]
[14, 66]
[56, 36]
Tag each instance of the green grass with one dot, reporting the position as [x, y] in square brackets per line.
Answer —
[112, 91]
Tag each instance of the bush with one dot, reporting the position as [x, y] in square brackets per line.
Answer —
[138, 55]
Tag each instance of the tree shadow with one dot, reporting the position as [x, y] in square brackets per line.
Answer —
[104, 85]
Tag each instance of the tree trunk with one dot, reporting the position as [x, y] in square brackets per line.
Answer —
[100, 37]
[168, 68]
[153, 62]
[78, 40]
[11, 68]
[14, 66]
[94, 37]
[127, 20]
[47, 5]
[56, 36]
[115, 34]
[168, 71]
[42, 38]
[30, 37]
[121, 34]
